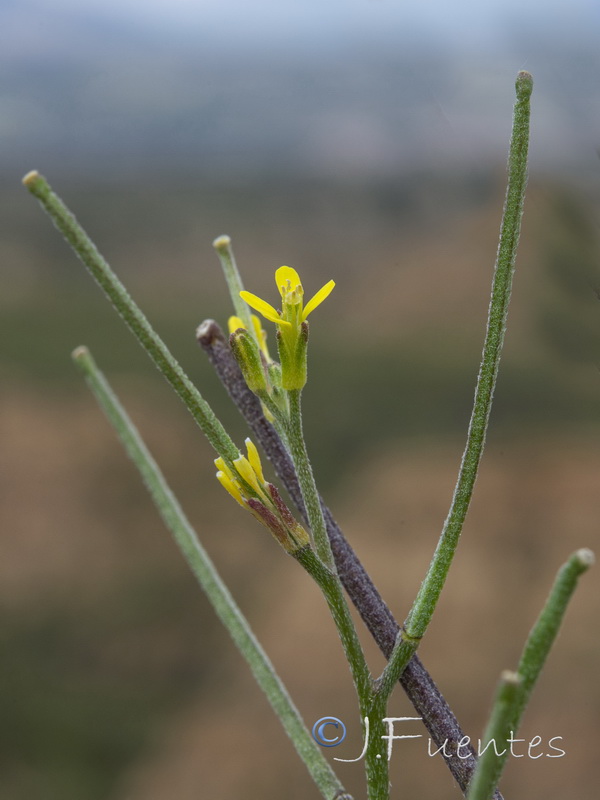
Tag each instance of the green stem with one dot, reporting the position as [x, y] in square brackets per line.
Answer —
[430, 590]
[210, 581]
[376, 761]
[512, 701]
[403, 651]
[295, 438]
[321, 567]
[279, 417]
[369, 704]
[222, 245]
[329, 585]
[497, 733]
[133, 316]
[546, 628]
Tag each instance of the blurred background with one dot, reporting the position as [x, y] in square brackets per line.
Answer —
[363, 141]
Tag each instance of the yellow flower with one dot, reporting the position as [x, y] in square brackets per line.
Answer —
[292, 334]
[293, 312]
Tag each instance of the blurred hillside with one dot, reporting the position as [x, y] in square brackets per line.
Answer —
[412, 261]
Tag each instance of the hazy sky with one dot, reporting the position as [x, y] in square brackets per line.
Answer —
[126, 76]
[285, 21]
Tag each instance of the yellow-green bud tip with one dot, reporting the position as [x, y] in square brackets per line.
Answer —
[31, 177]
[524, 84]
[222, 242]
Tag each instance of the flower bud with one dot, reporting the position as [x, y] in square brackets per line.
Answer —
[245, 482]
[247, 355]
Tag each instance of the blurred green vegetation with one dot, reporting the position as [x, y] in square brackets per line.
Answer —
[73, 708]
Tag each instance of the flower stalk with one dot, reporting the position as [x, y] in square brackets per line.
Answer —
[316, 520]
[321, 566]
[376, 767]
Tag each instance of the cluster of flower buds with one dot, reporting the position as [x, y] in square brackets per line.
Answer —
[246, 484]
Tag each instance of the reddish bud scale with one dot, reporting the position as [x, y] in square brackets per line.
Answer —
[286, 514]
[269, 519]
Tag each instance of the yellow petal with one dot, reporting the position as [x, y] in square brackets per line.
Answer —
[256, 324]
[222, 467]
[285, 274]
[234, 323]
[228, 484]
[245, 471]
[263, 308]
[261, 336]
[324, 292]
[254, 459]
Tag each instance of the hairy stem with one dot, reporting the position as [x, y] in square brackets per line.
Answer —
[431, 588]
[495, 738]
[295, 438]
[546, 628]
[222, 245]
[514, 694]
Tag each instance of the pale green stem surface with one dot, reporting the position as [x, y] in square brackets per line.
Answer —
[376, 766]
[510, 705]
[279, 417]
[431, 588]
[66, 223]
[376, 762]
[321, 566]
[499, 729]
[210, 581]
[546, 628]
[403, 651]
[329, 585]
[295, 438]
[428, 595]
[222, 245]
